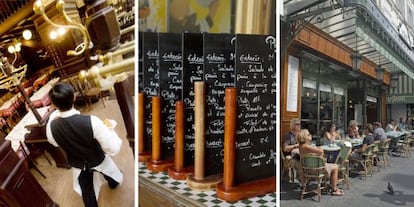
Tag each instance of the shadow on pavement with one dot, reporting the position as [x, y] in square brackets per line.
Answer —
[397, 199]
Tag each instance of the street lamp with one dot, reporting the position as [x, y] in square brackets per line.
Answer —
[356, 59]
[394, 81]
[380, 73]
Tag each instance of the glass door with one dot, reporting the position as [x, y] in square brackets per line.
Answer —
[372, 111]
[325, 108]
[339, 109]
[309, 107]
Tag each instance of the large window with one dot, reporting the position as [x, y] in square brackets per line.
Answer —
[339, 109]
[322, 104]
[309, 110]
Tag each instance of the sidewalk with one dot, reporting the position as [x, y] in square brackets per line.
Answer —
[370, 192]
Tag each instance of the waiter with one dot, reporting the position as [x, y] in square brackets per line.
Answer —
[88, 143]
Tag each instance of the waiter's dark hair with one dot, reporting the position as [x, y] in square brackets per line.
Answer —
[62, 96]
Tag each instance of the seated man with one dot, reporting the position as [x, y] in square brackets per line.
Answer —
[379, 133]
[291, 147]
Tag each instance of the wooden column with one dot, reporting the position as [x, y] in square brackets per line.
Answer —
[124, 93]
[143, 155]
[157, 164]
[178, 171]
[229, 136]
[199, 130]
[198, 181]
[156, 128]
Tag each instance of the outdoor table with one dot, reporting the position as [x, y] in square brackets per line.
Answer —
[356, 142]
[395, 136]
[330, 151]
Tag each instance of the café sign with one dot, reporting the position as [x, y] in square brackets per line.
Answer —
[400, 99]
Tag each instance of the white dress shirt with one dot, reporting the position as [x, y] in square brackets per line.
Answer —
[110, 144]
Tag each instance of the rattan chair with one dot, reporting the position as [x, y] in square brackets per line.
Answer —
[342, 160]
[286, 166]
[375, 155]
[365, 160]
[403, 146]
[383, 155]
[314, 169]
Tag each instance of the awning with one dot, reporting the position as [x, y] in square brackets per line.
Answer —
[360, 25]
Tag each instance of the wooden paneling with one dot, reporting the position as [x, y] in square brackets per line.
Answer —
[387, 77]
[325, 44]
[329, 48]
[321, 45]
[368, 68]
[313, 38]
[305, 36]
[319, 41]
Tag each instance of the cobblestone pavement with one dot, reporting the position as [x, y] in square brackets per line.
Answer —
[370, 192]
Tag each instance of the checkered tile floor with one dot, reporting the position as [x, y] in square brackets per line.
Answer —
[208, 198]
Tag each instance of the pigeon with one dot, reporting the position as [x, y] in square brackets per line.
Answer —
[390, 188]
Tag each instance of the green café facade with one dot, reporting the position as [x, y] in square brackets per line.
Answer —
[400, 100]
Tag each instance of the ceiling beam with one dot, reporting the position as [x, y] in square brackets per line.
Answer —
[14, 19]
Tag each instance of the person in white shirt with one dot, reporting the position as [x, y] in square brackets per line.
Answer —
[88, 143]
[392, 126]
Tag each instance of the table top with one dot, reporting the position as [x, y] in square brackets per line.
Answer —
[44, 90]
[330, 147]
[6, 105]
[395, 134]
[356, 141]
[17, 133]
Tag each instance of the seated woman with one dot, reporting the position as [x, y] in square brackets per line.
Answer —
[353, 129]
[304, 137]
[330, 134]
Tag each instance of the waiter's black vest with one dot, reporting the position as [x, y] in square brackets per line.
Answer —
[74, 135]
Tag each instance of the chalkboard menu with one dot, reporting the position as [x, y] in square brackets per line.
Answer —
[256, 112]
[140, 64]
[218, 74]
[170, 81]
[192, 71]
[150, 80]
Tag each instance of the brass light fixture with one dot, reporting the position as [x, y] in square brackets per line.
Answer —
[39, 9]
